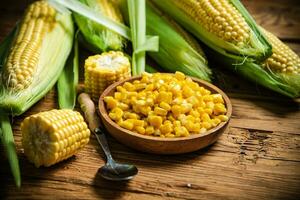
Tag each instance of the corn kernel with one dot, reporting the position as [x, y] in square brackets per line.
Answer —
[165, 106]
[126, 124]
[223, 118]
[129, 86]
[180, 76]
[140, 129]
[160, 111]
[155, 121]
[187, 91]
[149, 130]
[166, 128]
[176, 110]
[219, 109]
[206, 125]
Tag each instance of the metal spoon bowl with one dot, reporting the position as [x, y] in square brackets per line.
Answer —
[111, 170]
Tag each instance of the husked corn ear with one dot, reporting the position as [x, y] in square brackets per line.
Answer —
[22, 61]
[96, 37]
[283, 59]
[103, 70]
[223, 25]
[219, 17]
[37, 56]
[52, 136]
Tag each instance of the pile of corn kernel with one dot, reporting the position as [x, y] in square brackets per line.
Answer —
[165, 105]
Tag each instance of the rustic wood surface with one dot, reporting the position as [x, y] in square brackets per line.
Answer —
[257, 158]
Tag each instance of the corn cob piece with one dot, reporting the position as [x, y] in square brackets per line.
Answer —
[52, 136]
[103, 70]
[223, 25]
[96, 37]
[178, 50]
[36, 57]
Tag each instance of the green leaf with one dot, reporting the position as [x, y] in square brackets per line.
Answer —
[7, 139]
[68, 79]
[84, 10]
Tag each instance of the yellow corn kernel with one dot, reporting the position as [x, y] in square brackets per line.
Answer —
[155, 121]
[176, 123]
[160, 111]
[206, 125]
[164, 97]
[181, 131]
[165, 106]
[145, 110]
[123, 106]
[217, 98]
[166, 128]
[129, 86]
[186, 107]
[118, 96]
[195, 113]
[140, 129]
[137, 122]
[207, 98]
[205, 117]
[208, 111]
[219, 109]
[52, 136]
[187, 91]
[118, 112]
[202, 130]
[110, 102]
[149, 130]
[179, 76]
[126, 124]
[169, 135]
[215, 122]
[223, 118]
[130, 115]
[176, 110]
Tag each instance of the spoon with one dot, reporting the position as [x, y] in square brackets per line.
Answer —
[111, 170]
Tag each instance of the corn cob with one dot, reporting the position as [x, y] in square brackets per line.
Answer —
[283, 59]
[95, 36]
[279, 72]
[223, 25]
[36, 57]
[52, 136]
[178, 50]
[103, 70]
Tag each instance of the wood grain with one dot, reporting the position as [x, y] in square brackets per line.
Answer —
[257, 158]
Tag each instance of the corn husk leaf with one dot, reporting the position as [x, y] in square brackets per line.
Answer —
[68, 79]
[7, 140]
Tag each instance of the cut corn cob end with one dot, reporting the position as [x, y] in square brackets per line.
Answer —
[103, 70]
[283, 59]
[23, 58]
[52, 136]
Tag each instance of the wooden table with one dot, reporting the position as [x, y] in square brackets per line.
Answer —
[258, 158]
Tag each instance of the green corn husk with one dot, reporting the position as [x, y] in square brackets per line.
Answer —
[97, 37]
[256, 48]
[55, 49]
[178, 51]
[285, 83]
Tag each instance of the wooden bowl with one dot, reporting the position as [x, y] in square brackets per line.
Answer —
[157, 145]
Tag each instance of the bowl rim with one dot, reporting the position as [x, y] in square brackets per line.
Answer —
[207, 85]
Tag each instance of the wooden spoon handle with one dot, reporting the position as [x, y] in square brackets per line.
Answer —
[90, 114]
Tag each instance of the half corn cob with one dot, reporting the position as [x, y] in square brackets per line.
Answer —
[52, 136]
[223, 25]
[99, 38]
[36, 57]
[178, 51]
[103, 70]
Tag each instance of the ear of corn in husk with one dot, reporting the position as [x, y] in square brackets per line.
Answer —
[223, 25]
[95, 36]
[52, 136]
[36, 57]
[178, 51]
[103, 70]
[280, 72]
